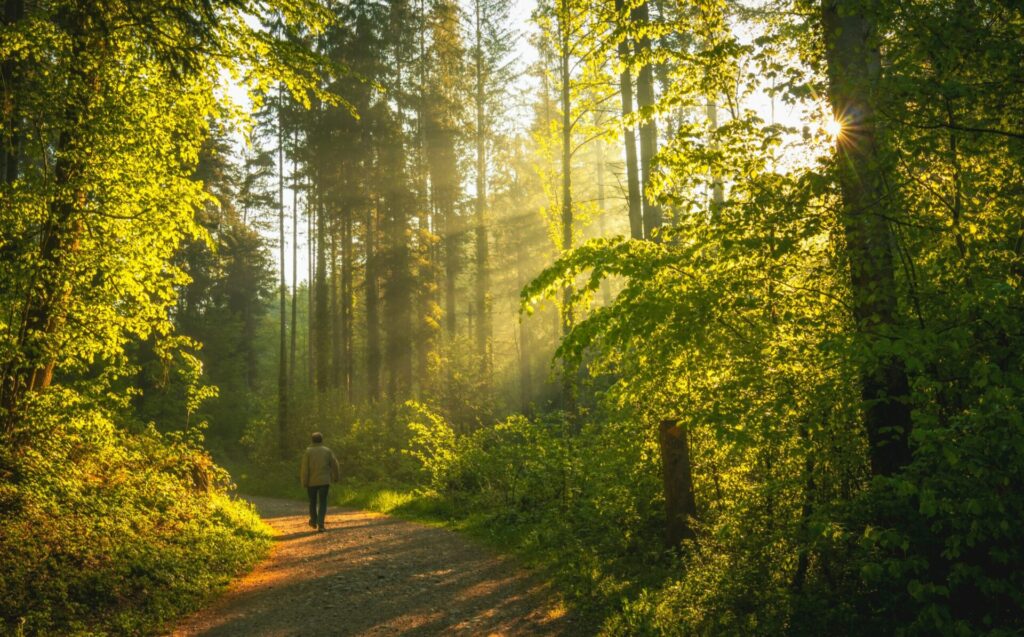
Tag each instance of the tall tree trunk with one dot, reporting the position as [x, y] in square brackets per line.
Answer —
[295, 278]
[282, 371]
[520, 242]
[648, 129]
[372, 306]
[854, 66]
[606, 293]
[677, 479]
[565, 96]
[336, 320]
[322, 334]
[426, 337]
[636, 220]
[483, 324]
[346, 304]
[310, 277]
[398, 296]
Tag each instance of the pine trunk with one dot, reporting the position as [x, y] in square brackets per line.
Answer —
[282, 370]
[483, 324]
[372, 307]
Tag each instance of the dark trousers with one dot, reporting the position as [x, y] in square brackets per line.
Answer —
[318, 504]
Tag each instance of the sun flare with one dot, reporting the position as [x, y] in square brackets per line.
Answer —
[833, 128]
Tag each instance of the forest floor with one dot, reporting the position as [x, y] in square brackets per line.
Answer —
[370, 574]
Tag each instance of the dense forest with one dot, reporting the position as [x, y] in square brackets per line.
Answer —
[713, 309]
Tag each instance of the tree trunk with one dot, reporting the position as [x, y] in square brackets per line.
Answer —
[310, 277]
[677, 479]
[337, 344]
[322, 334]
[346, 305]
[372, 307]
[295, 280]
[636, 220]
[854, 65]
[483, 324]
[282, 371]
[648, 129]
[606, 292]
[568, 375]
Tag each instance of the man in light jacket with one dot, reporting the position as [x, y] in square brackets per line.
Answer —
[319, 469]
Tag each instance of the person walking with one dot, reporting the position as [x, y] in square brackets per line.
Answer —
[318, 470]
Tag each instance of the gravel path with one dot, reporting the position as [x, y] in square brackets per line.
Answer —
[374, 575]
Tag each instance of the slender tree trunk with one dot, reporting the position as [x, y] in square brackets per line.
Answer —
[398, 296]
[310, 277]
[636, 220]
[372, 307]
[483, 324]
[525, 344]
[336, 320]
[565, 92]
[322, 333]
[606, 293]
[346, 304]
[282, 372]
[426, 340]
[648, 129]
[295, 279]
[854, 66]
[677, 478]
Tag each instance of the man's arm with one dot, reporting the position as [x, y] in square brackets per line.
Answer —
[335, 469]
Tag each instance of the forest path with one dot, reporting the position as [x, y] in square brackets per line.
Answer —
[370, 574]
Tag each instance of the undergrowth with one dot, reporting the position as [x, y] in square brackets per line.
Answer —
[108, 532]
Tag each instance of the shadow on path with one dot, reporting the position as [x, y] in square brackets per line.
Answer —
[373, 575]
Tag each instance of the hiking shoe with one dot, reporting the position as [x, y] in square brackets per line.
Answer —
[320, 529]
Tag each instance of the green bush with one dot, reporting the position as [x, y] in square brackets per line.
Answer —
[110, 532]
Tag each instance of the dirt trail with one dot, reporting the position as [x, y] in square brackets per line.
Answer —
[374, 575]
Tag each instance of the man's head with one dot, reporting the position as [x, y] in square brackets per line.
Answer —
[317, 437]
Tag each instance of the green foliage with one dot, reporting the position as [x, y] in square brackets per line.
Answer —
[117, 533]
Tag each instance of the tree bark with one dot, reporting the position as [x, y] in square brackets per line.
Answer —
[282, 370]
[854, 66]
[648, 129]
[310, 277]
[372, 307]
[295, 279]
[337, 339]
[346, 305]
[565, 97]
[636, 220]
[483, 325]
[322, 334]
[677, 479]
